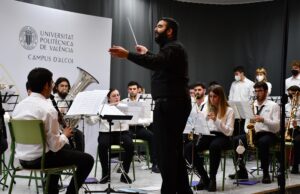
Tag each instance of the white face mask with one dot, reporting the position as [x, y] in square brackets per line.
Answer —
[237, 78]
[260, 78]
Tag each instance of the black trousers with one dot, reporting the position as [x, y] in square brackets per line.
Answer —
[77, 140]
[264, 141]
[239, 127]
[296, 147]
[170, 117]
[120, 138]
[140, 132]
[215, 145]
[64, 157]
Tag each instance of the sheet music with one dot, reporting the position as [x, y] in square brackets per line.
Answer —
[137, 110]
[198, 122]
[87, 103]
[242, 108]
[106, 109]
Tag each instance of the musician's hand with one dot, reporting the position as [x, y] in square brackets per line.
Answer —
[68, 132]
[294, 123]
[141, 49]
[118, 51]
[212, 116]
[258, 118]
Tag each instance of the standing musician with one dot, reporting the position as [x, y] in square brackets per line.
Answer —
[61, 90]
[267, 120]
[140, 131]
[261, 76]
[119, 135]
[292, 110]
[36, 106]
[220, 120]
[294, 80]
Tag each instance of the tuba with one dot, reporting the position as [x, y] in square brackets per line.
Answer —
[251, 129]
[294, 108]
[84, 79]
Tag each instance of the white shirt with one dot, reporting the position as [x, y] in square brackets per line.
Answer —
[62, 104]
[269, 87]
[271, 114]
[288, 108]
[291, 81]
[241, 90]
[36, 106]
[224, 125]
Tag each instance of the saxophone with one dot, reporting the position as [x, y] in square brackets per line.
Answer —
[251, 129]
[294, 108]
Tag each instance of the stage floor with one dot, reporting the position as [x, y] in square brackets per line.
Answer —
[151, 182]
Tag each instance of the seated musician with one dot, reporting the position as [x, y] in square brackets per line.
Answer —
[267, 120]
[140, 131]
[119, 135]
[220, 119]
[36, 106]
[292, 110]
[60, 91]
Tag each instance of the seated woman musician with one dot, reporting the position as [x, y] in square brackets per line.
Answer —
[119, 135]
[220, 121]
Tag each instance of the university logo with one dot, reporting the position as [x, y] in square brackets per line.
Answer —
[28, 38]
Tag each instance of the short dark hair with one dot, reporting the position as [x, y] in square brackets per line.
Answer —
[38, 77]
[239, 69]
[262, 85]
[294, 89]
[58, 81]
[27, 86]
[133, 83]
[173, 24]
[202, 85]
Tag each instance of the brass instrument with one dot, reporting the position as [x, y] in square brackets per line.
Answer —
[294, 108]
[84, 79]
[251, 129]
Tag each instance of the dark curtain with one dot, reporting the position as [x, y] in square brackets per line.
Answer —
[217, 38]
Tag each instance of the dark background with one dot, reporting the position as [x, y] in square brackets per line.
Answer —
[217, 37]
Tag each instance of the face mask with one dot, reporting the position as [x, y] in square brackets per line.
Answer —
[237, 78]
[260, 78]
[294, 72]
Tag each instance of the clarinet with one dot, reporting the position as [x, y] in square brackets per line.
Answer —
[61, 120]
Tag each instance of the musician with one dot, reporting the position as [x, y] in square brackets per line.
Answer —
[267, 119]
[294, 126]
[261, 76]
[192, 92]
[119, 135]
[140, 131]
[220, 119]
[295, 78]
[36, 106]
[60, 91]
[199, 104]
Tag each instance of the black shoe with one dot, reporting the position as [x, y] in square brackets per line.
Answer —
[104, 179]
[125, 179]
[266, 179]
[241, 174]
[295, 170]
[203, 184]
[155, 168]
[212, 185]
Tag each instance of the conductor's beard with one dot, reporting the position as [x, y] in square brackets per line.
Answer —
[161, 38]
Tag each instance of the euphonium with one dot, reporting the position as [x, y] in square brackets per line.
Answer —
[251, 129]
[294, 108]
[84, 79]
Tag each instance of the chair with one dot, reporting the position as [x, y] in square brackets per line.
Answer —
[32, 132]
[140, 142]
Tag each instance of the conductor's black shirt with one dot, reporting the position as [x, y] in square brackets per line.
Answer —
[170, 66]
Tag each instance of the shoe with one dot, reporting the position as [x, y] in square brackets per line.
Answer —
[241, 175]
[212, 187]
[295, 170]
[202, 184]
[155, 168]
[266, 179]
[104, 179]
[125, 179]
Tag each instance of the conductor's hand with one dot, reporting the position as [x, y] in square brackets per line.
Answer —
[118, 51]
[68, 132]
[141, 49]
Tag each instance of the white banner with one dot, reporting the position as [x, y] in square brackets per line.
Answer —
[35, 36]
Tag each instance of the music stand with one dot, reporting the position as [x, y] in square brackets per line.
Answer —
[109, 119]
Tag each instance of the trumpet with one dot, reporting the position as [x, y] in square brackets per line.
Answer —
[294, 108]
